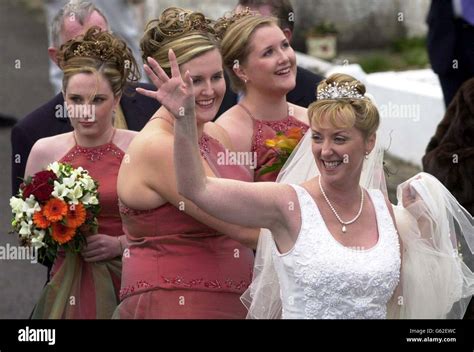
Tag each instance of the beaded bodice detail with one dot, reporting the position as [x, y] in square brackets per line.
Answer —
[204, 148]
[264, 130]
[322, 279]
[94, 154]
[277, 126]
[103, 163]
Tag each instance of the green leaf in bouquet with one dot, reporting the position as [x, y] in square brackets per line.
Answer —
[274, 167]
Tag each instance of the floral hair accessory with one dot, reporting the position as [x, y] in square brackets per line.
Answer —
[95, 49]
[229, 19]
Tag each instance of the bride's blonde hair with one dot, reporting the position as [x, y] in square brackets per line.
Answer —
[356, 110]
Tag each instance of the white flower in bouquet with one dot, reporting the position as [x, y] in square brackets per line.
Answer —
[54, 167]
[56, 208]
[17, 207]
[89, 199]
[30, 206]
[37, 238]
[60, 190]
[75, 194]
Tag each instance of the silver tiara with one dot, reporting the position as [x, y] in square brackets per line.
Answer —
[339, 91]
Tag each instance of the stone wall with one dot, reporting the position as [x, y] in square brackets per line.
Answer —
[362, 24]
[211, 8]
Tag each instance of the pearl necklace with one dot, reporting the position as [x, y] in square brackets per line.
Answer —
[344, 223]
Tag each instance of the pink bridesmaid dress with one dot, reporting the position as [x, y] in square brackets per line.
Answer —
[264, 130]
[78, 289]
[179, 268]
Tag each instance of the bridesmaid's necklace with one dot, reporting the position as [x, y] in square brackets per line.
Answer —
[343, 223]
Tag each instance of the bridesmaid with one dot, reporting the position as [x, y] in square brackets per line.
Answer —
[182, 262]
[262, 68]
[96, 66]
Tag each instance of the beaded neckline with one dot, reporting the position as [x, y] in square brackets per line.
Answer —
[94, 153]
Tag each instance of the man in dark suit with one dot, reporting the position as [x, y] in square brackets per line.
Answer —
[51, 118]
[451, 43]
[6, 121]
[306, 81]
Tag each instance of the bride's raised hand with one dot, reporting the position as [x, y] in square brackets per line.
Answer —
[409, 193]
[175, 93]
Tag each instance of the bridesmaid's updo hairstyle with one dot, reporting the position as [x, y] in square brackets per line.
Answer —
[236, 32]
[188, 33]
[96, 52]
[342, 103]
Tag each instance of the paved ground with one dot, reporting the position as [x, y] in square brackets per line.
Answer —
[24, 86]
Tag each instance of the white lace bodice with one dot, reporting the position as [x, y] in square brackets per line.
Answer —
[322, 279]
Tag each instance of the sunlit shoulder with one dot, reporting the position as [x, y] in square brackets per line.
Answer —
[123, 138]
[219, 133]
[46, 150]
[298, 112]
[238, 126]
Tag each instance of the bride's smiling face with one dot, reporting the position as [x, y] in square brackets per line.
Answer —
[339, 152]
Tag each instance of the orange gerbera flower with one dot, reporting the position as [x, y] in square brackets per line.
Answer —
[40, 220]
[61, 233]
[295, 133]
[76, 215]
[55, 209]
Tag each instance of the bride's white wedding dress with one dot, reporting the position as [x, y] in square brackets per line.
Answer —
[317, 279]
[322, 279]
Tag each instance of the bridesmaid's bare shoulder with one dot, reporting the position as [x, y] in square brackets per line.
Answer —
[233, 118]
[47, 150]
[219, 133]
[123, 138]
[239, 127]
[299, 112]
[52, 147]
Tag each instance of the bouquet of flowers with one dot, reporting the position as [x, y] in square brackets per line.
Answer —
[56, 208]
[283, 145]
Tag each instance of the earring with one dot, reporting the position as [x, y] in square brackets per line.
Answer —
[245, 80]
[366, 155]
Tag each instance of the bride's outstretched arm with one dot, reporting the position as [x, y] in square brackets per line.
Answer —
[242, 203]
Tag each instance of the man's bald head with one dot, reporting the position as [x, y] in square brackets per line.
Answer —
[74, 19]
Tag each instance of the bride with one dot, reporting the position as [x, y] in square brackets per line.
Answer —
[337, 249]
